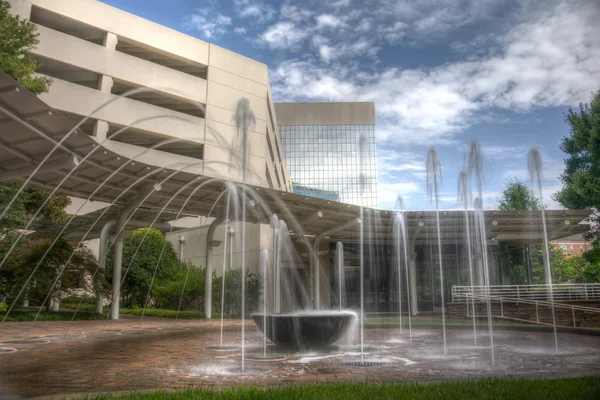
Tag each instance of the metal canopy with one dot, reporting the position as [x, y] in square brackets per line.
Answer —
[30, 129]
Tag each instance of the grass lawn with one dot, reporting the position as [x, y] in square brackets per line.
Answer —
[568, 389]
[436, 321]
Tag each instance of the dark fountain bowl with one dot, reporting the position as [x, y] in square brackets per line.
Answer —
[305, 330]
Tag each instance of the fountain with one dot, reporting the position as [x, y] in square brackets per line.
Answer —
[296, 311]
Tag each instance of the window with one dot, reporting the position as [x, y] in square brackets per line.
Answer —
[572, 249]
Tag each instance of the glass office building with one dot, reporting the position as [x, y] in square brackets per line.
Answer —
[331, 147]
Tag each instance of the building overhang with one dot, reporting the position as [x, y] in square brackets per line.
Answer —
[40, 147]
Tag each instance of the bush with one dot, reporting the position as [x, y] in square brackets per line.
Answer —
[233, 293]
[79, 299]
[3, 306]
[180, 283]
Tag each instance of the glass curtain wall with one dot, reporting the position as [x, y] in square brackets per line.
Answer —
[327, 157]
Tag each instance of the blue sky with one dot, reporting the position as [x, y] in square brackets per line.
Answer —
[442, 72]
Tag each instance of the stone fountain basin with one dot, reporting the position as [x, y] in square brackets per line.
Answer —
[306, 329]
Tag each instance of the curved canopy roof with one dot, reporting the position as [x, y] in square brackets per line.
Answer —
[40, 147]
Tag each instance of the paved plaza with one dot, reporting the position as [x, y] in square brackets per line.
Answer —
[170, 354]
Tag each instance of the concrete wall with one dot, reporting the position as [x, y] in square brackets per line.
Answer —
[325, 113]
[528, 312]
[194, 250]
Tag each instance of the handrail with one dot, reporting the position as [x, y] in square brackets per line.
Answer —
[537, 303]
[563, 291]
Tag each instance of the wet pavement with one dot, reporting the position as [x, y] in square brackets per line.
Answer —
[100, 356]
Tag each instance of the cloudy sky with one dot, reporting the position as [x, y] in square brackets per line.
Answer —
[441, 72]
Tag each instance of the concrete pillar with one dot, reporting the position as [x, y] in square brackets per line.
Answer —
[102, 259]
[116, 278]
[181, 239]
[51, 304]
[480, 274]
[412, 263]
[210, 243]
[105, 84]
[56, 303]
[110, 41]
[100, 130]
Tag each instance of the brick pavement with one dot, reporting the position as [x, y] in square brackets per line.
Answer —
[166, 357]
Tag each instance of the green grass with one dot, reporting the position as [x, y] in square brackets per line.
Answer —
[568, 389]
[28, 314]
[435, 321]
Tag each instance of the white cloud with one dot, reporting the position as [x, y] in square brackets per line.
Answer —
[551, 60]
[283, 35]
[208, 24]
[295, 13]
[340, 3]
[388, 192]
[255, 9]
[328, 21]
[240, 30]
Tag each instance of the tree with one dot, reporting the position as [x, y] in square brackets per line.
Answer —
[24, 208]
[180, 287]
[65, 264]
[233, 292]
[17, 38]
[144, 252]
[581, 179]
[517, 196]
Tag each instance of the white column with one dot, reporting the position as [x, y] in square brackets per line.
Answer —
[209, 267]
[116, 278]
[105, 84]
[480, 274]
[102, 248]
[412, 263]
[56, 303]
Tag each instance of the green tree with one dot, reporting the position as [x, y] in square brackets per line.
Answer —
[180, 288]
[517, 196]
[581, 179]
[144, 252]
[53, 267]
[233, 292]
[17, 38]
[518, 259]
[569, 268]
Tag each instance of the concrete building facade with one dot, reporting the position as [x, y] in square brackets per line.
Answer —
[161, 84]
[162, 98]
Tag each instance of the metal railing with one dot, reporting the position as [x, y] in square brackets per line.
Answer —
[502, 300]
[564, 291]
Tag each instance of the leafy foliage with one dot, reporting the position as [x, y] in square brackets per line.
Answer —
[148, 254]
[183, 282]
[17, 38]
[144, 252]
[21, 212]
[233, 292]
[517, 196]
[581, 178]
[72, 266]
